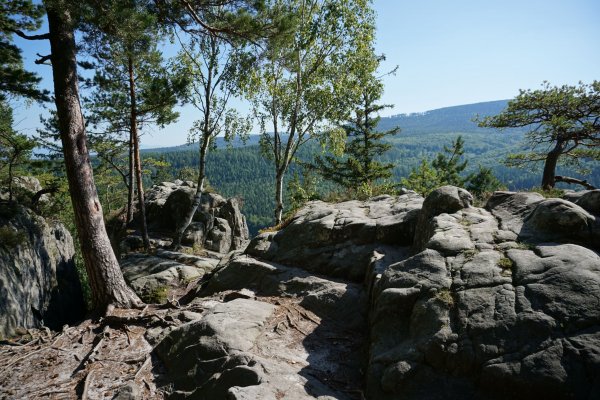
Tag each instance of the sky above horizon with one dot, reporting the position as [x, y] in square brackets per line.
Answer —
[447, 52]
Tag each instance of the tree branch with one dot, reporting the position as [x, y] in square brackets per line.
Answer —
[21, 34]
[42, 59]
[574, 181]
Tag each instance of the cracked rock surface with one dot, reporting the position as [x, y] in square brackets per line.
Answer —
[338, 239]
[395, 298]
[485, 314]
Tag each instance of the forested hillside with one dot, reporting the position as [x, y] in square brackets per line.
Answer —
[242, 171]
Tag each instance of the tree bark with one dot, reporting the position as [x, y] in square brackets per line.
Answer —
[548, 177]
[189, 216]
[278, 198]
[130, 183]
[136, 153]
[10, 180]
[104, 273]
[574, 181]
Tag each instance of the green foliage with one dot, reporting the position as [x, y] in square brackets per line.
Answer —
[359, 168]
[303, 79]
[446, 169]
[15, 148]
[483, 181]
[563, 121]
[157, 295]
[445, 296]
[17, 16]
[448, 163]
[188, 174]
[301, 190]
[10, 238]
[506, 264]
[195, 250]
[159, 169]
[423, 179]
[553, 193]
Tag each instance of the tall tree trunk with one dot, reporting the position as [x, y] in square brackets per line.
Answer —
[136, 153]
[278, 197]
[205, 141]
[106, 280]
[187, 219]
[548, 177]
[130, 183]
[10, 180]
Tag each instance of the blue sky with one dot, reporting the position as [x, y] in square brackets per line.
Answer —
[449, 52]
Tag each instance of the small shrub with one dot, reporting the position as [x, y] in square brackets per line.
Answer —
[506, 265]
[470, 254]
[282, 225]
[11, 238]
[525, 246]
[196, 250]
[158, 295]
[445, 296]
[549, 194]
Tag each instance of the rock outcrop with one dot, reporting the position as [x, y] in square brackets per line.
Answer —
[154, 277]
[485, 314]
[392, 298]
[218, 224]
[339, 240]
[456, 302]
[39, 284]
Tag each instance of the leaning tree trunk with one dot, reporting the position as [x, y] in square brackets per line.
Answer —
[187, 218]
[548, 177]
[106, 280]
[136, 155]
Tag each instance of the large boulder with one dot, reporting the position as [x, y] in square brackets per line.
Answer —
[444, 200]
[487, 316]
[589, 200]
[445, 292]
[531, 217]
[154, 277]
[556, 219]
[338, 240]
[217, 225]
[39, 284]
[511, 208]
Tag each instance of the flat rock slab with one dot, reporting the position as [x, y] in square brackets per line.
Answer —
[250, 349]
[148, 274]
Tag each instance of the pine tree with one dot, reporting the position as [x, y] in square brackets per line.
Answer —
[564, 124]
[449, 165]
[133, 87]
[15, 148]
[104, 273]
[17, 16]
[423, 179]
[359, 167]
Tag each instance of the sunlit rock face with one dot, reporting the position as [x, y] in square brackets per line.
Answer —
[218, 224]
[401, 297]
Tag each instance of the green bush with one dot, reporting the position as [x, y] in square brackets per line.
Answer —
[11, 238]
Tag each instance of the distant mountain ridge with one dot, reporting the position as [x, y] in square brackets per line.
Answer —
[441, 120]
